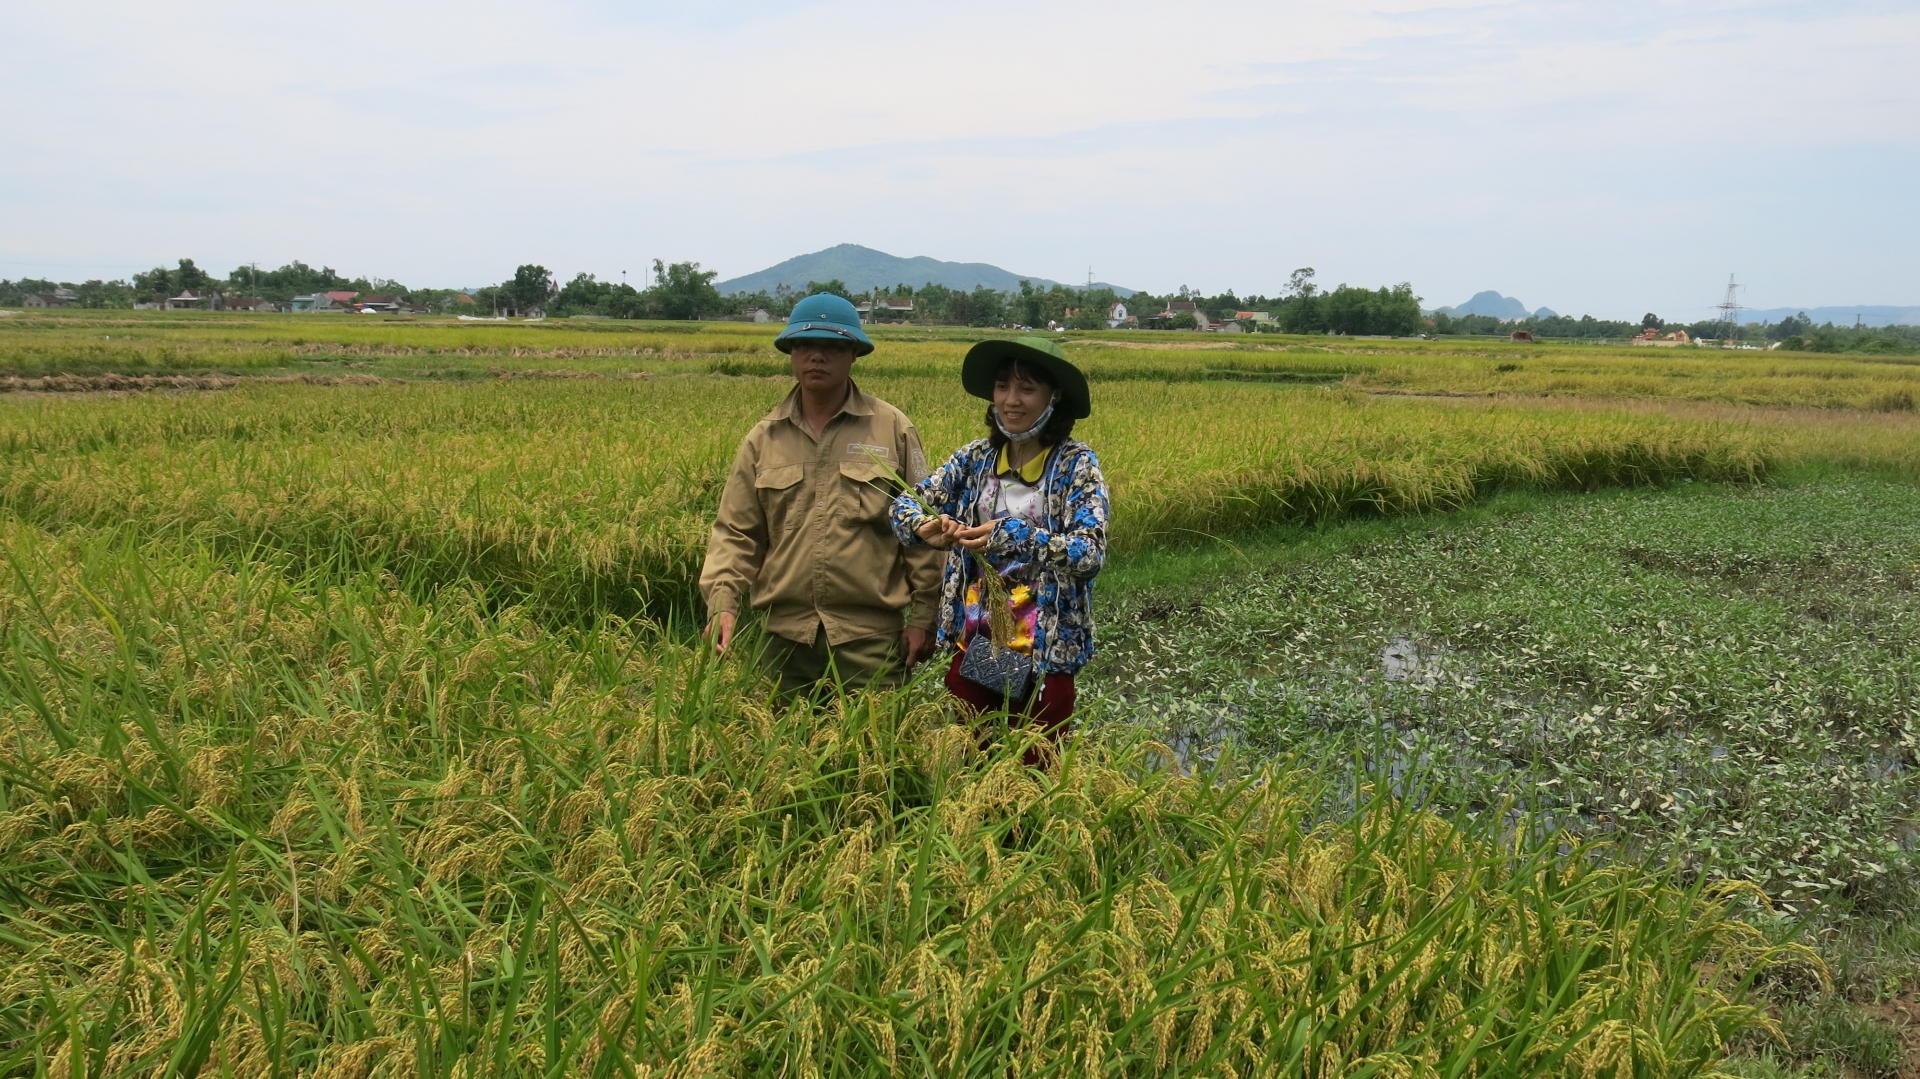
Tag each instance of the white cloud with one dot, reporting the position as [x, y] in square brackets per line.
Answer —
[1599, 157]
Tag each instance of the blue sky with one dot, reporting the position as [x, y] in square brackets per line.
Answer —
[1605, 158]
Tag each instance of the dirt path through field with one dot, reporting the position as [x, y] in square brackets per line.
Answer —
[1903, 1014]
[111, 383]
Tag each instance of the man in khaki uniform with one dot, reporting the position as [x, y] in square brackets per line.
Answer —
[803, 527]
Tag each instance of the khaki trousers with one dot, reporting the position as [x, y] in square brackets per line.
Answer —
[817, 667]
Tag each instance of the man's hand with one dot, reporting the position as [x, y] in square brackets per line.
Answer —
[939, 532]
[918, 643]
[976, 537]
[720, 631]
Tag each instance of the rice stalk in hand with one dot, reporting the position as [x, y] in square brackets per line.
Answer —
[999, 596]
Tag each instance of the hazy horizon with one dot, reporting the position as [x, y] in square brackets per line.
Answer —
[1606, 161]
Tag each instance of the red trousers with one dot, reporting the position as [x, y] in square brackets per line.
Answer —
[1045, 709]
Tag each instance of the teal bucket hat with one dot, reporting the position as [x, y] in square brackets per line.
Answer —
[826, 317]
[985, 359]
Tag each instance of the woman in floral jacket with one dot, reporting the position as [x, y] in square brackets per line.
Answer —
[1031, 501]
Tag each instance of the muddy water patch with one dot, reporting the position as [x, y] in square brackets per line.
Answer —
[1598, 683]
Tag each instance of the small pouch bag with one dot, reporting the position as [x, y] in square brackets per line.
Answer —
[1001, 670]
[1005, 671]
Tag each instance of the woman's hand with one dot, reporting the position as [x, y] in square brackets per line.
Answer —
[974, 538]
[939, 532]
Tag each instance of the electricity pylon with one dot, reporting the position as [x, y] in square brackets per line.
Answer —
[1729, 309]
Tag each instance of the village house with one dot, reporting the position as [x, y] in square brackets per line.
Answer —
[324, 301]
[192, 300]
[1177, 308]
[1652, 336]
[375, 303]
[1115, 316]
[885, 308]
[252, 303]
[59, 297]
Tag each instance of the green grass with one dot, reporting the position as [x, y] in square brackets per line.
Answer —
[1724, 675]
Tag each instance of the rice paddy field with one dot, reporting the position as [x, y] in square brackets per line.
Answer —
[1463, 708]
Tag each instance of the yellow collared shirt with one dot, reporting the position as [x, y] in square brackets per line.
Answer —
[1030, 472]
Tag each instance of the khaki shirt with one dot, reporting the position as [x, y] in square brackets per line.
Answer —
[803, 525]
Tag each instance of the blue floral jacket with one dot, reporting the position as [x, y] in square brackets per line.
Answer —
[1065, 555]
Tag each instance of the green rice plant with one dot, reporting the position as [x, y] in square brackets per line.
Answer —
[266, 822]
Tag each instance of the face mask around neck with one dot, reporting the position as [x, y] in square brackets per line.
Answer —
[1030, 433]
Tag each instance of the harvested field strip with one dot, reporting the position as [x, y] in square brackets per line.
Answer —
[126, 383]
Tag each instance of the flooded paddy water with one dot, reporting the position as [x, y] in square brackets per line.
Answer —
[1723, 676]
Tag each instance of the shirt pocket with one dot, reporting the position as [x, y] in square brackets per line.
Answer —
[866, 492]
[779, 489]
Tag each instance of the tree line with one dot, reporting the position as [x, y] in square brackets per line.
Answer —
[243, 282]
[682, 290]
[1303, 308]
[1793, 333]
[679, 290]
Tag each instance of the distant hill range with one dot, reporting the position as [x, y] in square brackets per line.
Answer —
[1839, 316]
[1492, 303]
[1508, 308]
[863, 268]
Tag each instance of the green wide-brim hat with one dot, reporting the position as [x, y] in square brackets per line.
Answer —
[985, 359]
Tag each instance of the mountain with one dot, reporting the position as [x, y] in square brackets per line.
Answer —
[1492, 303]
[1840, 316]
[863, 268]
